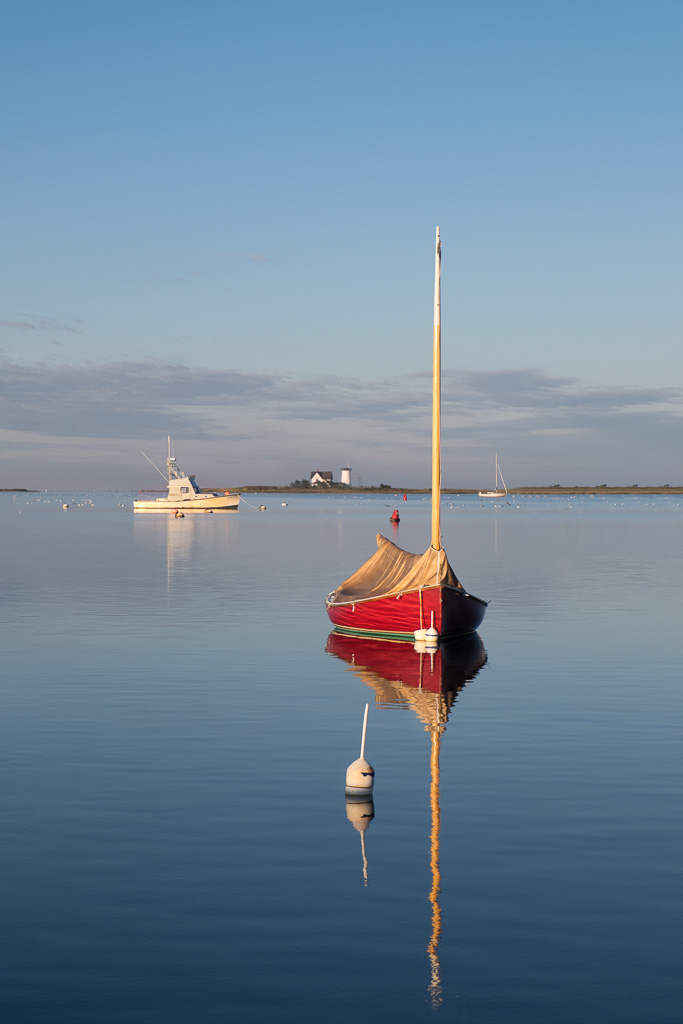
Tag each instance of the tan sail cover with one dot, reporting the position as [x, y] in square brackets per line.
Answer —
[394, 571]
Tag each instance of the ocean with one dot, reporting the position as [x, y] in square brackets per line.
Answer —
[176, 726]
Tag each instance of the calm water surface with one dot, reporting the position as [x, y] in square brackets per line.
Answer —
[176, 728]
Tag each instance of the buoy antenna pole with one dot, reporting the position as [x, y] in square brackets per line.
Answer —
[360, 776]
[365, 729]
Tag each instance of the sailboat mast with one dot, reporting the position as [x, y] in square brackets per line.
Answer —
[436, 404]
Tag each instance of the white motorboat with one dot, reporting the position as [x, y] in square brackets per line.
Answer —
[184, 494]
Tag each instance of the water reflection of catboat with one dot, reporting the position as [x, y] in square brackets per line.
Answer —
[427, 682]
[383, 663]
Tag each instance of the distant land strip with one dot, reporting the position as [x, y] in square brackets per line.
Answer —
[338, 489]
[553, 489]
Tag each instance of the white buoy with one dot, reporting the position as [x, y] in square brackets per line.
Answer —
[262, 508]
[360, 775]
[65, 505]
[429, 636]
[432, 635]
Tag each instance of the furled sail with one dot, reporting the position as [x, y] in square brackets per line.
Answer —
[394, 571]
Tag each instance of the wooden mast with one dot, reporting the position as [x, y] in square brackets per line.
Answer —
[436, 404]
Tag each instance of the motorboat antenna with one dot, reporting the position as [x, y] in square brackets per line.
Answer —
[152, 464]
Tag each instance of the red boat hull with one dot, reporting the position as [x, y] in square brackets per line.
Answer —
[456, 613]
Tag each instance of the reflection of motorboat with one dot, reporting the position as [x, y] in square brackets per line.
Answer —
[181, 543]
[184, 494]
[427, 682]
[175, 537]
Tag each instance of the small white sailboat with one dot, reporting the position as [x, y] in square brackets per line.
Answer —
[184, 494]
[496, 492]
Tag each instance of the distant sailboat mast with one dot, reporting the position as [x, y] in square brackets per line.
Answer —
[499, 473]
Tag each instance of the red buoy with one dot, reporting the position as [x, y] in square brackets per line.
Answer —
[405, 497]
[394, 517]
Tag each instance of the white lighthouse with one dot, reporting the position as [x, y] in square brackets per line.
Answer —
[346, 476]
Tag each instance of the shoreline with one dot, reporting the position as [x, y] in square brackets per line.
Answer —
[400, 491]
[386, 491]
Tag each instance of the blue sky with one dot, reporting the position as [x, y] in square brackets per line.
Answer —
[218, 224]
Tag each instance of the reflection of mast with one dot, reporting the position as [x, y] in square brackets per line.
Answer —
[434, 987]
[427, 683]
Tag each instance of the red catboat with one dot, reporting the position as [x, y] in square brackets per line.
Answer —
[396, 594]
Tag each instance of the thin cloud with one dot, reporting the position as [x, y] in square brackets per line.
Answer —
[31, 323]
[92, 393]
[269, 420]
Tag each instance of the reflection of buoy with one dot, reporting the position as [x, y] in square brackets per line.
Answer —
[179, 514]
[360, 810]
[394, 517]
[360, 775]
